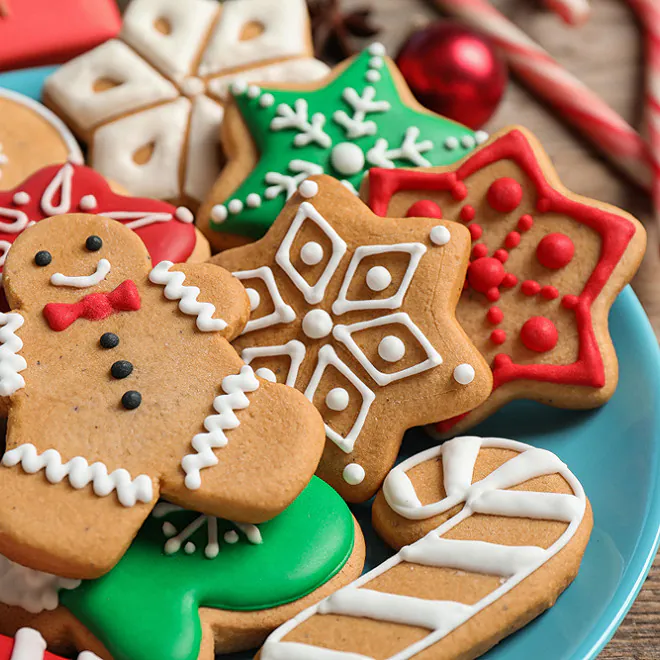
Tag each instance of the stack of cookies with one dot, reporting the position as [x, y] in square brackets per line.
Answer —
[216, 333]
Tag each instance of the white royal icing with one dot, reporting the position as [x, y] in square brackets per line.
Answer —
[21, 198]
[59, 186]
[464, 374]
[79, 473]
[88, 203]
[10, 361]
[337, 399]
[353, 474]
[378, 278]
[235, 388]
[4, 160]
[19, 221]
[83, 281]
[490, 495]
[294, 349]
[187, 297]
[317, 323]
[309, 129]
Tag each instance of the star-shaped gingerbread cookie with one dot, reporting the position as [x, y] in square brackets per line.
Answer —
[545, 267]
[363, 115]
[357, 312]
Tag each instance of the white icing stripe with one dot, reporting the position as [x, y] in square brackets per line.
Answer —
[472, 556]
[83, 281]
[138, 218]
[10, 362]
[80, 474]
[234, 398]
[61, 183]
[294, 349]
[28, 645]
[187, 297]
[458, 461]
[19, 221]
[526, 504]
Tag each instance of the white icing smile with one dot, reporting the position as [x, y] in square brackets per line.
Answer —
[83, 281]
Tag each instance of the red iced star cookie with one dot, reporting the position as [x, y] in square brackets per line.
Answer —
[545, 267]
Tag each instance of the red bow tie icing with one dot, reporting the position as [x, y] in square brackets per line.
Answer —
[94, 307]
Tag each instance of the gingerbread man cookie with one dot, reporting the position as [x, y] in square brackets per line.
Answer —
[545, 267]
[191, 585]
[150, 103]
[362, 115]
[31, 137]
[167, 232]
[357, 312]
[28, 644]
[121, 387]
[490, 532]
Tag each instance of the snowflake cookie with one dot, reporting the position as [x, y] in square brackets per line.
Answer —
[192, 585]
[490, 531]
[28, 644]
[150, 103]
[167, 231]
[362, 116]
[545, 267]
[121, 386]
[357, 312]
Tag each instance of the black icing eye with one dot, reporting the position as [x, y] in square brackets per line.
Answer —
[93, 243]
[43, 258]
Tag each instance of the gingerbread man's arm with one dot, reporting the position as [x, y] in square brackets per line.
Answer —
[215, 298]
[11, 361]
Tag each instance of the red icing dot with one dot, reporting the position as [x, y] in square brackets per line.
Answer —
[424, 208]
[504, 194]
[569, 302]
[475, 231]
[485, 274]
[539, 334]
[512, 240]
[509, 280]
[493, 294]
[525, 222]
[550, 292]
[495, 315]
[479, 251]
[530, 287]
[459, 191]
[555, 251]
[501, 255]
[501, 360]
[467, 213]
[498, 337]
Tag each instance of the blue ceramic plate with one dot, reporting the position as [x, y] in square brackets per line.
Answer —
[614, 451]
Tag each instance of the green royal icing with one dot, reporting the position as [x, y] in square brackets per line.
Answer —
[372, 140]
[147, 606]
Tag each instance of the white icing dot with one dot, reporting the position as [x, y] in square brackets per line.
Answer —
[391, 348]
[231, 537]
[376, 62]
[239, 87]
[481, 137]
[219, 213]
[377, 49]
[266, 374]
[311, 253]
[189, 548]
[253, 91]
[212, 550]
[87, 203]
[440, 235]
[253, 201]
[169, 529]
[184, 215]
[193, 86]
[21, 198]
[266, 100]
[235, 206]
[378, 278]
[464, 374]
[353, 474]
[172, 546]
[308, 189]
[372, 76]
[317, 324]
[347, 158]
[468, 141]
[337, 399]
[451, 143]
[254, 297]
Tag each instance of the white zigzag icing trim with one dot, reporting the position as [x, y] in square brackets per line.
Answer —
[80, 474]
[187, 297]
[234, 398]
[10, 362]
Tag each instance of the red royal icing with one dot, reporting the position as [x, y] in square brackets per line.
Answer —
[504, 195]
[171, 239]
[555, 251]
[425, 208]
[485, 274]
[615, 231]
[495, 315]
[498, 336]
[539, 334]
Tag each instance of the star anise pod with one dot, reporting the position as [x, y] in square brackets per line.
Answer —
[334, 30]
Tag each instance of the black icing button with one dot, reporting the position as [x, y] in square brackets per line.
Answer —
[131, 400]
[121, 369]
[43, 258]
[94, 243]
[109, 340]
